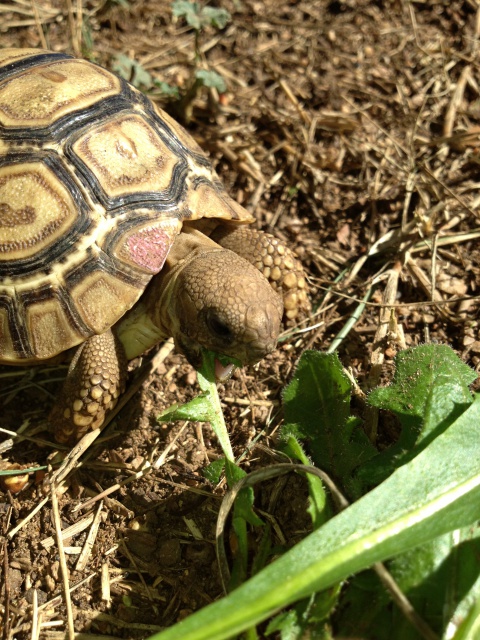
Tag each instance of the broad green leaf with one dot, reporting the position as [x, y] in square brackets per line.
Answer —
[420, 372]
[469, 628]
[437, 492]
[440, 578]
[429, 391]
[317, 412]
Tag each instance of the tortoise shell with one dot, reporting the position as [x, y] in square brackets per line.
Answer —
[95, 182]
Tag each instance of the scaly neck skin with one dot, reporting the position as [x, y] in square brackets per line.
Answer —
[137, 333]
[152, 320]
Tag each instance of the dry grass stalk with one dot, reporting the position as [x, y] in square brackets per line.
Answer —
[71, 531]
[90, 540]
[63, 564]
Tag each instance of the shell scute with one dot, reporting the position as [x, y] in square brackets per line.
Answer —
[36, 209]
[42, 94]
[127, 159]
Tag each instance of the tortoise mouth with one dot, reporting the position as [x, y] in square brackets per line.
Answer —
[250, 354]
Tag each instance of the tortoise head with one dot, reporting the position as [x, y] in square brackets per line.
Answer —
[218, 301]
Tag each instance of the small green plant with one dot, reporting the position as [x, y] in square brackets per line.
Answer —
[199, 17]
[421, 517]
[133, 71]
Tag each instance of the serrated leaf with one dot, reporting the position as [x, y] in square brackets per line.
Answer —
[317, 410]
[417, 371]
[428, 393]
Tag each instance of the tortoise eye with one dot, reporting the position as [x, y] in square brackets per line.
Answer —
[219, 328]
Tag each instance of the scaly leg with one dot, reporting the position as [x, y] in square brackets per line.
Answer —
[95, 380]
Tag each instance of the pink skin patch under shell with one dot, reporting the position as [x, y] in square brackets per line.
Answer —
[148, 248]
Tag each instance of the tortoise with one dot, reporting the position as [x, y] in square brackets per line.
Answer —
[115, 233]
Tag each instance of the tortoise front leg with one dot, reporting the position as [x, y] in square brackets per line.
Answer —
[274, 259]
[95, 380]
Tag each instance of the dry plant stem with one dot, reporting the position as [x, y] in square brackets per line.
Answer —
[105, 583]
[456, 101]
[139, 474]
[57, 599]
[75, 31]
[427, 287]
[401, 305]
[290, 95]
[36, 617]
[403, 602]
[422, 166]
[433, 269]
[69, 532]
[71, 459]
[63, 563]
[32, 513]
[39, 26]
[6, 608]
[90, 541]
[379, 345]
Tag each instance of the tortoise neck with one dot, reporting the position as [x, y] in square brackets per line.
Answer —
[137, 332]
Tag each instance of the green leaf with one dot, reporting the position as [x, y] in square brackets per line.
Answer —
[428, 393]
[305, 620]
[132, 71]
[317, 411]
[438, 575]
[215, 16]
[469, 629]
[214, 470]
[317, 507]
[437, 492]
[168, 90]
[188, 10]
[199, 409]
[440, 579]
[419, 372]
[211, 79]
[197, 17]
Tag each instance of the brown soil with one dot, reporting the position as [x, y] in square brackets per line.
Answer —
[352, 129]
